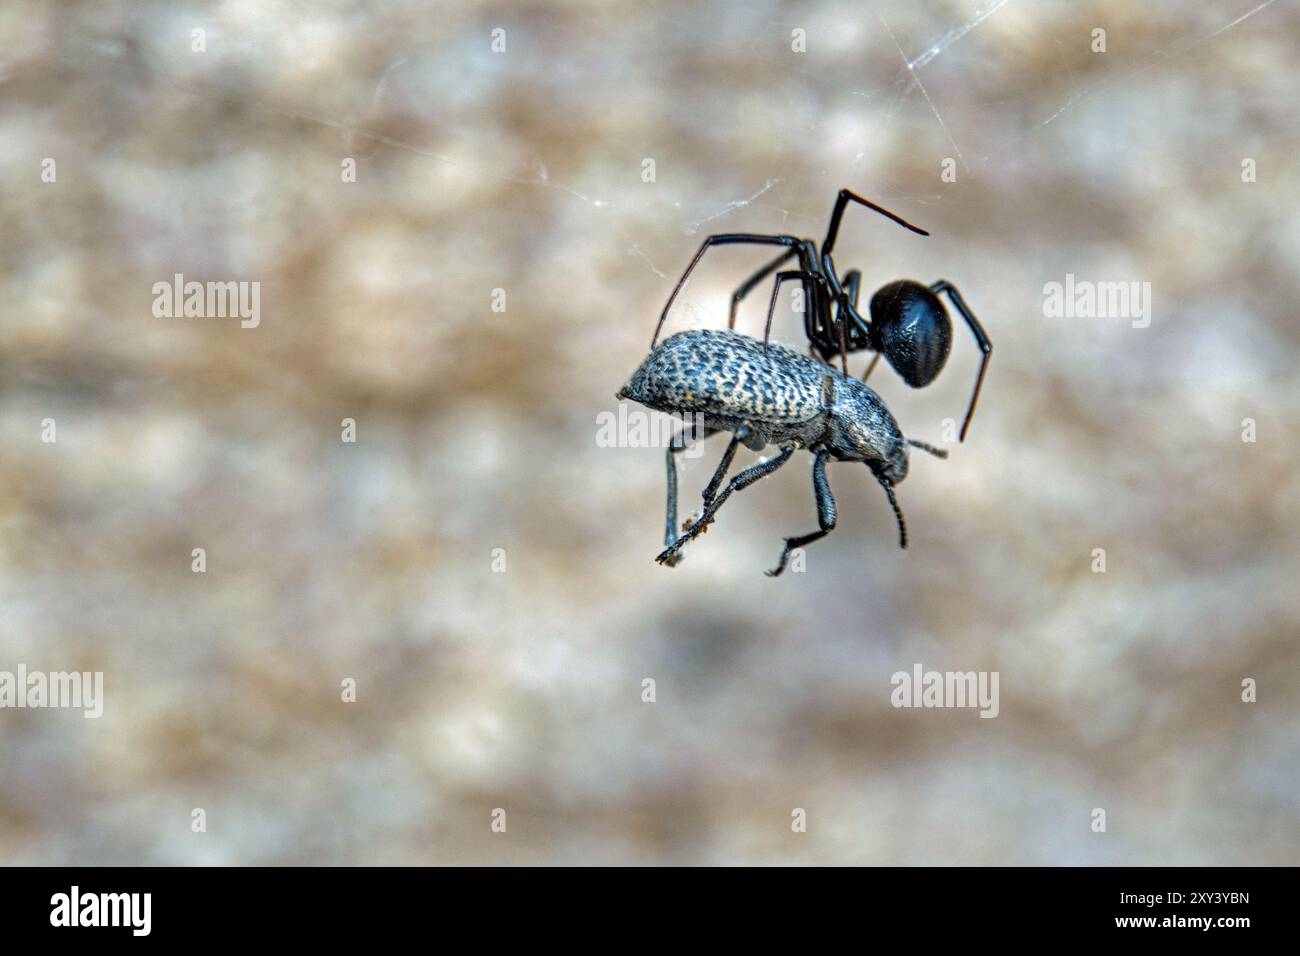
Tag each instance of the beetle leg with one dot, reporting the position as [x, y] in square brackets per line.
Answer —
[826, 513]
[692, 432]
[742, 433]
[742, 480]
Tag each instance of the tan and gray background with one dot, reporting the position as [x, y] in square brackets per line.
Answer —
[476, 430]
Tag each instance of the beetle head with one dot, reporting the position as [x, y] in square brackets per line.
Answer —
[867, 432]
[893, 467]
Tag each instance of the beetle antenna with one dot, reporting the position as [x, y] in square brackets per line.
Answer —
[937, 452]
[898, 513]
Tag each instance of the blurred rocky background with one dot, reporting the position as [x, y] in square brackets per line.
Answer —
[483, 569]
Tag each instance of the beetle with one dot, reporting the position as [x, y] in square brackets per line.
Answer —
[908, 324]
[767, 394]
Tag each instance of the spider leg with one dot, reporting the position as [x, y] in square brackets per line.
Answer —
[748, 285]
[852, 282]
[853, 330]
[826, 512]
[837, 214]
[723, 239]
[742, 480]
[817, 321]
[776, 291]
[981, 338]
[847, 331]
[852, 285]
[844, 348]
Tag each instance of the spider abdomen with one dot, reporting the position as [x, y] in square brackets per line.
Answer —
[912, 329]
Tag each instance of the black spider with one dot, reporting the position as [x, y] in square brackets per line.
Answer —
[908, 325]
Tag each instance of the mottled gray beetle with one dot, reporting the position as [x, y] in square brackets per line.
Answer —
[767, 394]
